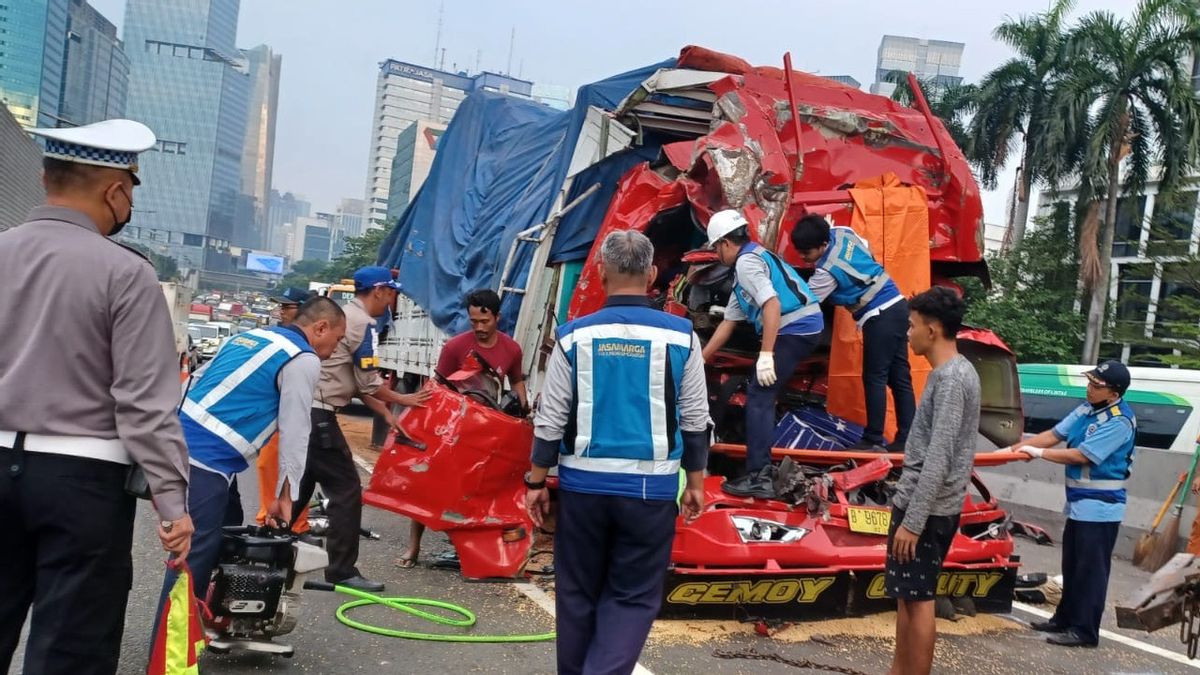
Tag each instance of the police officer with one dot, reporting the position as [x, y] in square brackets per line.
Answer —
[261, 381]
[350, 372]
[1099, 436]
[773, 297]
[847, 275]
[619, 434]
[89, 383]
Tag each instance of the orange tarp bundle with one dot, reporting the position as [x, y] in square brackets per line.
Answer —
[893, 218]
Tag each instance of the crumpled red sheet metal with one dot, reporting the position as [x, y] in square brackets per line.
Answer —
[750, 161]
[467, 481]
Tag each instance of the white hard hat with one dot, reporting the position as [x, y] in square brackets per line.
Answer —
[724, 222]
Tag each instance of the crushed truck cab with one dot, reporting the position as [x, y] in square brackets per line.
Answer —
[518, 200]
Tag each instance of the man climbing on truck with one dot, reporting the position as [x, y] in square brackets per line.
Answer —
[848, 275]
[772, 296]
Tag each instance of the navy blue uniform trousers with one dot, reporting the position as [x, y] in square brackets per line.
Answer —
[790, 350]
[1086, 561]
[610, 560]
[885, 366]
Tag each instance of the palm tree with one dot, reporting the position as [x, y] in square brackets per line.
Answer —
[952, 104]
[1137, 112]
[1014, 99]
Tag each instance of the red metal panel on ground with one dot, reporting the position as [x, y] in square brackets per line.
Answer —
[467, 482]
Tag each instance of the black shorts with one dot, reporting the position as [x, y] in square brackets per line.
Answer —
[917, 579]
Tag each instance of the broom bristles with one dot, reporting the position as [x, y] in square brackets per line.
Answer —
[1165, 543]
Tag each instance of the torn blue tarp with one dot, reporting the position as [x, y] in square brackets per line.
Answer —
[499, 167]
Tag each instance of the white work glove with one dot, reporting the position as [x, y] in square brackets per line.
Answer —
[766, 368]
[1030, 450]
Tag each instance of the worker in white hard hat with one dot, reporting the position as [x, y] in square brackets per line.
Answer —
[772, 296]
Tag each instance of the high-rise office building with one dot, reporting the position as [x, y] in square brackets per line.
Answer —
[20, 172]
[847, 80]
[33, 37]
[258, 152]
[933, 61]
[415, 149]
[190, 84]
[405, 93]
[96, 81]
[285, 210]
[349, 217]
[312, 238]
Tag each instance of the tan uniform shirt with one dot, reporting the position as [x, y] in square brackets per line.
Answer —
[88, 349]
[351, 370]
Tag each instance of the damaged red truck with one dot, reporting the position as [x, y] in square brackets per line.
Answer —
[696, 134]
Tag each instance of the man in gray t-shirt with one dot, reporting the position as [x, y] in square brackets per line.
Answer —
[937, 467]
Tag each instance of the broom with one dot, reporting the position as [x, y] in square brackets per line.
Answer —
[1144, 543]
[1166, 541]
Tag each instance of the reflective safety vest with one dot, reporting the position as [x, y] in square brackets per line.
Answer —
[623, 437]
[862, 284]
[231, 412]
[796, 299]
[1105, 482]
[179, 636]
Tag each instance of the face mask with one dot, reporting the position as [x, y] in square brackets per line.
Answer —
[119, 224]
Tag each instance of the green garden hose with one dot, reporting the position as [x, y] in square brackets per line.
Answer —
[410, 606]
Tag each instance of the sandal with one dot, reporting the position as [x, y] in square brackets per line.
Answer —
[406, 563]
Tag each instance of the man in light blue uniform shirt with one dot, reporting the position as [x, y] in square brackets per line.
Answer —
[623, 408]
[1099, 436]
[773, 297]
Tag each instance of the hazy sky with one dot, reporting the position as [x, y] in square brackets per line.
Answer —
[331, 51]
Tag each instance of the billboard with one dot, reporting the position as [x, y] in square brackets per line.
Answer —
[264, 262]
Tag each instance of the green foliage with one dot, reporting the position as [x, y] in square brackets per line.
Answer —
[952, 104]
[164, 266]
[1031, 304]
[359, 252]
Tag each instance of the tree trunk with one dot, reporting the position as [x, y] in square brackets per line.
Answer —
[1095, 320]
[1016, 229]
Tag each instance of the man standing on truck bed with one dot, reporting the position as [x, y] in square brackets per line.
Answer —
[846, 274]
[502, 354]
[775, 299]
[89, 384]
[937, 468]
[1100, 436]
[350, 372]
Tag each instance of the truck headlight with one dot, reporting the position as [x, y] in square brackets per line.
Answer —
[755, 530]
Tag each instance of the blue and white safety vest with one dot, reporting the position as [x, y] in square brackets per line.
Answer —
[862, 284]
[1104, 481]
[229, 414]
[623, 435]
[796, 299]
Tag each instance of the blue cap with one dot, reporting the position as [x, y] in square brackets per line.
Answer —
[1113, 374]
[293, 295]
[367, 278]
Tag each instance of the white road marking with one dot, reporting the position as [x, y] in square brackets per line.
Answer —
[363, 464]
[1117, 637]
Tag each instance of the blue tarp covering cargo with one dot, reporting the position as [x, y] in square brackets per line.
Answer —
[499, 167]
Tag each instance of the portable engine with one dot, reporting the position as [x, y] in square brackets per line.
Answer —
[254, 594]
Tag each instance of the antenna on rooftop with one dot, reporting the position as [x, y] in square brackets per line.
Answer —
[437, 43]
[512, 38]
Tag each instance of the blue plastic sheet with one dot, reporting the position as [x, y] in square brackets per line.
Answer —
[499, 167]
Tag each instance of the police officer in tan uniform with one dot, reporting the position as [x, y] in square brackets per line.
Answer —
[350, 372]
[89, 385]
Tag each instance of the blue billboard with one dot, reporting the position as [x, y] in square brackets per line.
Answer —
[264, 262]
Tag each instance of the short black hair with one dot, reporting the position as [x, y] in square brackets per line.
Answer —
[61, 175]
[485, 299]
[811, 231]
[943, 305]
[738, 237]
[319, 308]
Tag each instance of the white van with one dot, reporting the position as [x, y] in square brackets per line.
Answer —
[1165, 401]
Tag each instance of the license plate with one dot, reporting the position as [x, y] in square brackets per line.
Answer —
[869, 521]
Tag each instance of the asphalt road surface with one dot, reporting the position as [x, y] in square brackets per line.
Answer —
[995, 644]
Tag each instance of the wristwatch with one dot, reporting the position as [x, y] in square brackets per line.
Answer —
[529, 484]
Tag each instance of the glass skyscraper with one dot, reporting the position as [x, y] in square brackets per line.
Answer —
[32, 55]
[935, 61]
[190, 84]
[96, 80]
